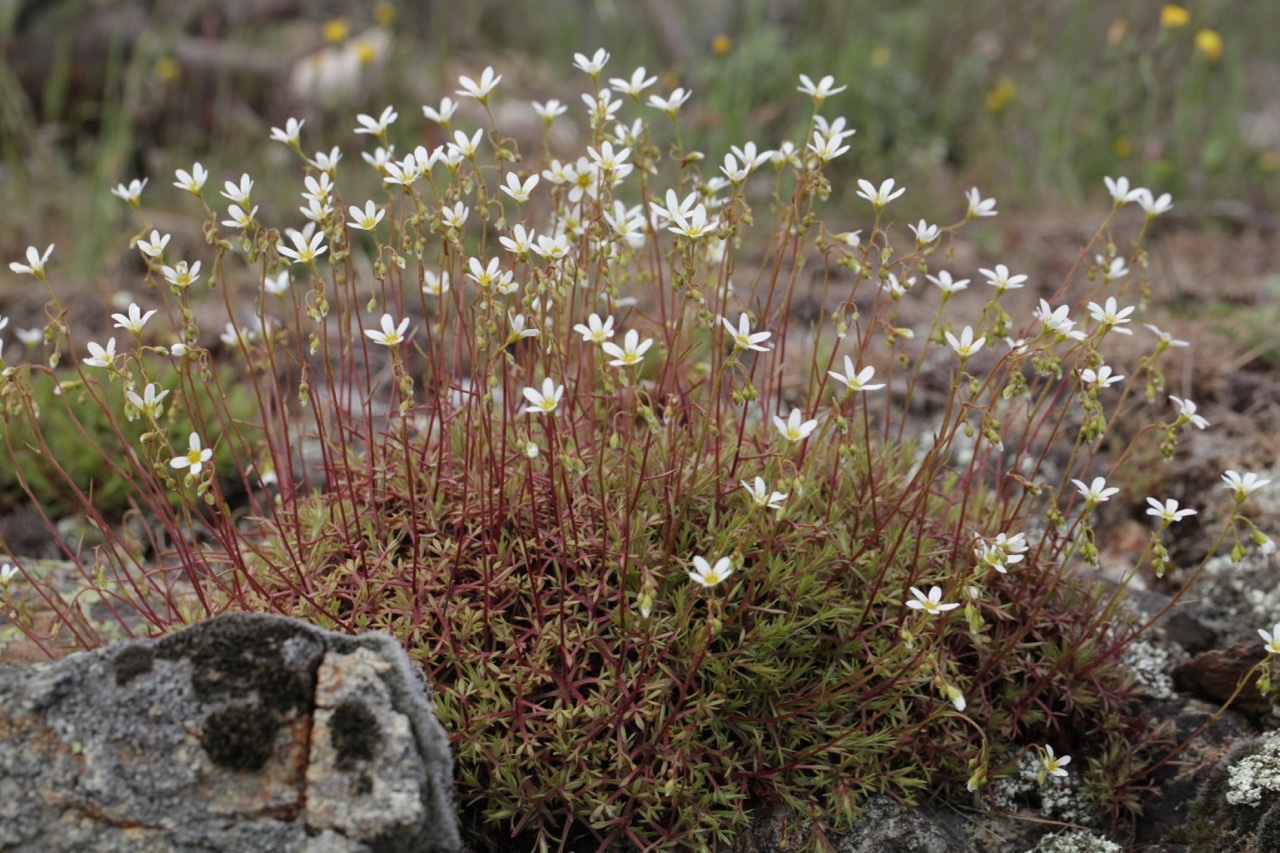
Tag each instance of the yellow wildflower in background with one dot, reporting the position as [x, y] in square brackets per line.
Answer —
[336, 30]
[1004, 91]
[880, 56]
[168, 69]
[1123, 146]
[1174, 17]
[1209, 43]
[384, 14]
[721, 44]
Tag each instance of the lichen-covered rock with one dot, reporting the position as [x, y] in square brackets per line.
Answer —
[247, 732]
[1238, 810]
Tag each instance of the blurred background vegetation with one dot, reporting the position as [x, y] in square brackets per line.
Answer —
[1033, 101]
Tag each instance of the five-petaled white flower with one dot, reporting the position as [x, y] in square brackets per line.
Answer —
[367, 219]
[7, 574]
[238, 193]
[195, 457]
[455, 217]
[240, 218]
[131, 193]
[1120, 192]
[518, 191]
[1168, 511]
[99, 357]
[795, 428]
[289, 135]
[480, 91]
[435, 284]
[696, 226]
[946, 284]
[35, 262]
[762, 496]
[544, 401]
[925, 233]
[827, 147]
[1000, 279]
[965, 346]
[135, 319]
[979, 206]
[1243, 485]
[1152, 205]
[549, 111]
[1096, 492]
[672, 104]
[1271, 639]
[1166, 339]
[879, 197]
[180, 276]
[1111, 316]
[303, 251]
[856, 381]
[442, 116]
[743, 337]
[595, 331]
[149, 403]
[391, 335]
[633, 87]
[707, 575]
[594, 65]
[824, 89]
[931, 603]
[1187, 412]
[193, 181]
[154, 247]
[630, 353]
[278, 284]
[1054, 765]
[377, 126]
[1101, 377]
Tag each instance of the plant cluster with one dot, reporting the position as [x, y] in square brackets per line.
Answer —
[668, 547]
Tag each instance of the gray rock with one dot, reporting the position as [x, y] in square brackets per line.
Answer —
[246, 732]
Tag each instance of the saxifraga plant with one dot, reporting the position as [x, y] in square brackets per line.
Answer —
[667, 551]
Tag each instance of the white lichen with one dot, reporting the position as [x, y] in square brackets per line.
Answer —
[1251, 777]
[1059, 798]
[1150, 668]
[1076, 841]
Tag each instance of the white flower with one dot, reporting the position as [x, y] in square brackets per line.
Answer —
[367, 219]
[35, 262]
[879, 197]
[7, 574]
[518, 191]
[824, 89]
[633, 87]
[327, 162]
[696, 226]
[193, 181]
[391, 334]
[707, 575]
[195, 457]
[1120, 192]
[1187, 412]
[1153, 206]
[455, 217]
[131, 193]
[595, 331]
[480, 91]
[550, 110]
[465, 146]
[239, 217]
[543, 402]
[1165, 338]
[1271, 639]
[289, 136]
[945, 284]
[135, 320]
[1112, 270]
[965, 346]
[1000, 279]
[979, 206]
[1101, 377]
[630, 353]
[519, 243]
[794, 428]
[672, 104]
[154, 247]
[925, 234]
[278, 284]
[180, 276]
[99, 357]
[1168, 511]
[1058, 321]
[931, 603]
[518, 330]
[149, 403]
[376, 126]
[238, 193]
[856, 381]
[303, 251]
[594, 65]
[743, 337]
[1111, 316]
[380, 157]
[761, 496]
[1243, 485]
[442, 116]
[435, 284]
[1096, 492]
[1054, 765]
[827, 147]
[531, 450]
[552, 249]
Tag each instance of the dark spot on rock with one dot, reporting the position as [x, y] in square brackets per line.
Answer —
[240, 737]
[238, 654]
[130, 662]
[355, 731]
[364, 785]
